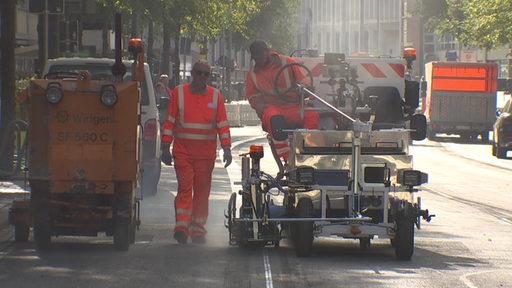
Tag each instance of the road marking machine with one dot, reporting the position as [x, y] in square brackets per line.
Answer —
[352, 178]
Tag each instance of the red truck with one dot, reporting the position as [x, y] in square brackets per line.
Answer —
[460, 98]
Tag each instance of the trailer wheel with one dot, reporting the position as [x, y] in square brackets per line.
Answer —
[501, 153]
[21, 232]
[304, 229]
[42, 220]
[404, 239]
[431, 135]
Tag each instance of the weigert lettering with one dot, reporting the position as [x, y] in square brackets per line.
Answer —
[94, 119]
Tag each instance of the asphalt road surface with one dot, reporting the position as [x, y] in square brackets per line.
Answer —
[467, 244]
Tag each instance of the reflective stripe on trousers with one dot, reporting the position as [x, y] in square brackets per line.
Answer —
[194, 183]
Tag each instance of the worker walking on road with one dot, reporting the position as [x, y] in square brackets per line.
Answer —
[195, 117]
[275, 109]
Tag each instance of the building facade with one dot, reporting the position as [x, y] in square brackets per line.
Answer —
[370, 27]
[382, 28]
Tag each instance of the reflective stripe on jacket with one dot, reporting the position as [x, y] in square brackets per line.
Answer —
[193, 122]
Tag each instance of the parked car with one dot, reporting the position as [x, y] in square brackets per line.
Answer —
[502, 136]
[100, 68]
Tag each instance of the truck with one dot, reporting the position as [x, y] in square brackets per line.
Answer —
[460, 99]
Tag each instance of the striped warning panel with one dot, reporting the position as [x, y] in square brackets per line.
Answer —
[381, 70]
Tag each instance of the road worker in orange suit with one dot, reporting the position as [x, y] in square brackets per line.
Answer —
[195, 117]
[274, 110]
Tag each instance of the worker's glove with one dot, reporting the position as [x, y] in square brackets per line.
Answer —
[166, 154]
[227, 159]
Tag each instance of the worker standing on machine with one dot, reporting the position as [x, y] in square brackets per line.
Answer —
[195, 117]
[276, 110]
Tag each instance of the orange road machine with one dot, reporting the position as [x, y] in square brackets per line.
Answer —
[83, 155]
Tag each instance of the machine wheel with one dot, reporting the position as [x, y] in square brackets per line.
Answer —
[364, 243]
[133, 229]
[21, 232]
[304, 229]
[306, 71]
[241, 234]
[42, 219]
[122, 233]
[134, 223]
[404, 239]
[231, 216]
[124, 223]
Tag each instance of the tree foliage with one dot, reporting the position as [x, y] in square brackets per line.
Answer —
[203, 20]
[482, 23]
[275, 24]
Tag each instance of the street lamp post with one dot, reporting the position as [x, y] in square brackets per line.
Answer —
[45, 34]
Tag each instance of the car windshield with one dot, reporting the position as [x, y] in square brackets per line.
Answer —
[98, 72]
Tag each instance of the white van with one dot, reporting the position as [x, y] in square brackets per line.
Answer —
[100, 68]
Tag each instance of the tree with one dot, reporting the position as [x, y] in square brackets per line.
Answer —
[202, 21]
[275, 24]
[488, 23]
[485, 24]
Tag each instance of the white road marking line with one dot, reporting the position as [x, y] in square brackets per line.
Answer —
[234, 174]
[467, 282]
[268, 271]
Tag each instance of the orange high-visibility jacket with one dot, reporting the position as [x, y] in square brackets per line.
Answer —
[193, 122]
[260, 88]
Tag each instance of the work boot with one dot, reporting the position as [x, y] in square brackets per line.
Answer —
[181, 237]
[199, 240]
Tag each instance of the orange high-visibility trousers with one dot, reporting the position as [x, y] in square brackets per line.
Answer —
[292, 115]
[191, 203]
